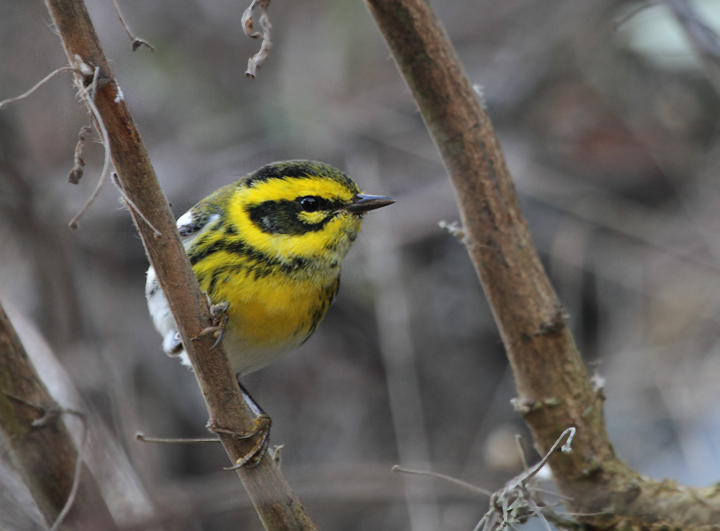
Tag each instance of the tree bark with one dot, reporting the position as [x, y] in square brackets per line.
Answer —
[39, 444]
[554, 391]
[276, 504]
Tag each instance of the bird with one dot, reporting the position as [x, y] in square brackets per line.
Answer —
[268, 251]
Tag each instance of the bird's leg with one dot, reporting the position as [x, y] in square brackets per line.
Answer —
[260, 429]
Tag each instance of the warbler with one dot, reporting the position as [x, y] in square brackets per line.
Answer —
[268, 249]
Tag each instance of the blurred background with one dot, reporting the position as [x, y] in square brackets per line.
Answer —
[609, 124]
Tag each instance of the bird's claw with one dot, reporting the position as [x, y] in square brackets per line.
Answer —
[219, 314]
[261, 430]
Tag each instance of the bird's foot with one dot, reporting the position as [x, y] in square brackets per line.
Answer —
[220, 317]
[261, 430]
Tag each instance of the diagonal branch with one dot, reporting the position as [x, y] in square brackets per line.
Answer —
[276, 504]
[554, 391]
[35, 436]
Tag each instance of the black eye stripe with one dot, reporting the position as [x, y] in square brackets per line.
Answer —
[321, 203]
[283, 217]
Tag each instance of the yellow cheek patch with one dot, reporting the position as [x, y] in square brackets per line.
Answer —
[312, 244]
[313, 218]
[308, 245]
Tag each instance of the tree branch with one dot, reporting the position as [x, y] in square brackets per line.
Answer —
[39, 444]
[276, 504]
[554, 391]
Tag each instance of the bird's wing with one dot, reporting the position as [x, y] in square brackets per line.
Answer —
[194, 222]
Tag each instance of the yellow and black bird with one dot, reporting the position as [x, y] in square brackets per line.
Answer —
[268, 249]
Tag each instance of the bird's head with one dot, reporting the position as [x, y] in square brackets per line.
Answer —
[301, 210]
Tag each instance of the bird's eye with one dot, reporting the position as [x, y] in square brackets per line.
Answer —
[309, 204]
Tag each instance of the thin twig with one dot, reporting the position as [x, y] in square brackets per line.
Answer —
[551, 493]
[136, 42]
[515, 502]
[77, 172]
[89, 97]
[248, 28]
[118, 185]
[78, 469]
[518, 443]
[570, 432]
[37, 86]
[142, 438]
[451, 479]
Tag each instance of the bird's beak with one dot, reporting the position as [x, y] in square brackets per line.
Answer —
[363, 203]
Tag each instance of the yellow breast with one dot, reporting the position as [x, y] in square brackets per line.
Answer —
[270, 312]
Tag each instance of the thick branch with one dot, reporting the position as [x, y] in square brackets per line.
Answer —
[42, 450]
[554, 391]
[276, 504]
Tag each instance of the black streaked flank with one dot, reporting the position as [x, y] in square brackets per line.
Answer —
[201, 279]
[328, 295]
[216, 276]
[255, 262]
